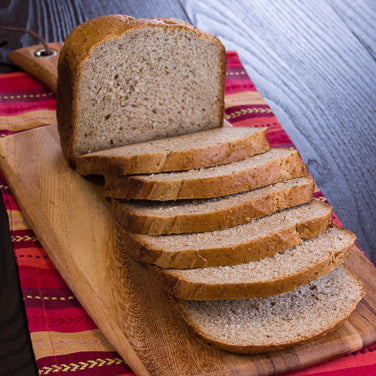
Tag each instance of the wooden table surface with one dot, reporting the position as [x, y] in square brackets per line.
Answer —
[313, 61]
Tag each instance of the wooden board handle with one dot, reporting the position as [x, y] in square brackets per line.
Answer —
[42, 67]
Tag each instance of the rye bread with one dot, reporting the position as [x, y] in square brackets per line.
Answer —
[185, 216]
[269, 276]
[257, 239]
[254, 172]
[273, 323]
[123, 80]
[196, 150]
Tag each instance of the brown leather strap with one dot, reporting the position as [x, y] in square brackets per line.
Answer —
[46, 52]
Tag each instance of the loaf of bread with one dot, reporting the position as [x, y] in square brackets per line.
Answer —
[269, 276]
[257, 239]
[273, 323]
[123, 80]
[254, 261]
[254, 172]
[196, 150]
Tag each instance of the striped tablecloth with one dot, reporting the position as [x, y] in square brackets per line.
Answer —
[64, 338]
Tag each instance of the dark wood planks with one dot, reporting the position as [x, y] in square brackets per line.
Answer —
[359, 18]
[310, 62]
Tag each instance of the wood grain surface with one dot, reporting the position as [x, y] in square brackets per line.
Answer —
[140, 320]
[314, 62]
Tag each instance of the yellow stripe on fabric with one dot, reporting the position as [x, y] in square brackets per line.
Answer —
[52, 298]
[27, 120]
[243, 99]
[79, 366]
[17, 221]
[24, 96]
[235, 74]
[23, 238]
[55, 343]
[246, 111]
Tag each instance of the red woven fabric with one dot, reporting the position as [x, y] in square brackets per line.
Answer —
[65, 340]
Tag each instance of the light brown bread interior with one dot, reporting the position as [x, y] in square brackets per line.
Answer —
[254, 172]
[259, 238]
[272, 323]
[272, 275]
[137, 80]
[184, 216]
[196, 150]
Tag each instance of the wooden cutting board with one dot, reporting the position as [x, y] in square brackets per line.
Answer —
[71, 218]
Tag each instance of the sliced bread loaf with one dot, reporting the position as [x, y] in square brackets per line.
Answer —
[272, 323]
[272, 275]
[123, 80]
[254, 172]
[196, 150]
[184, 216]
[257, 239]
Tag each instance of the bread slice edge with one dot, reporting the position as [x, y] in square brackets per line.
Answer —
[256, 349]
[260, 247]
[244, 212]
[189, 289]
[101, 163]
[137, 187]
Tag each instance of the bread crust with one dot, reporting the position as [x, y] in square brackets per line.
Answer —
[254, 249]
[257, 349]
[138, 223]
[79, 46]
[139, 188]
[208, 156]
[192, 290]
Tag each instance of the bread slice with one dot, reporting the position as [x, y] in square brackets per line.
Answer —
[273, 323]
[184, 216]
[201, 149]
[254, 172]
[273, 275]
[123, 80]
[260, 238]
